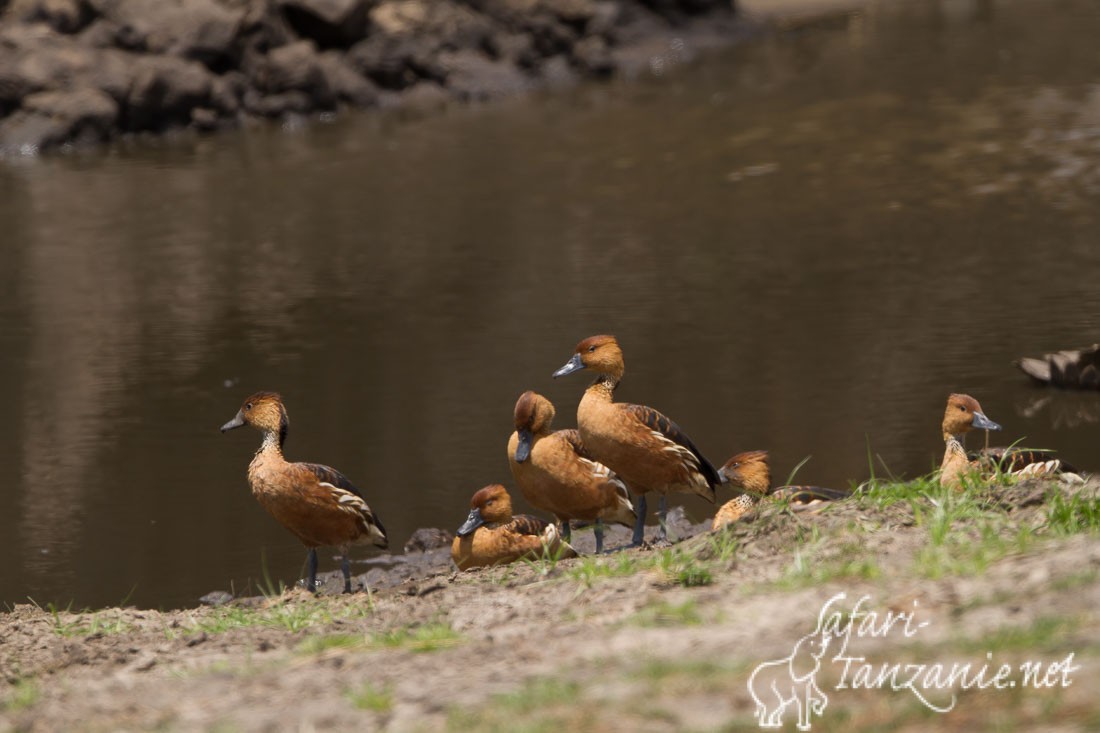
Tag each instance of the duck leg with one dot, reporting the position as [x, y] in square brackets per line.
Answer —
[598, 531]
[311, 573]
[345, 566]
[639, 526]
[566, 530]
[662, 512]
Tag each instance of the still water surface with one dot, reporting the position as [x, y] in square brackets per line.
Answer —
[803, 244]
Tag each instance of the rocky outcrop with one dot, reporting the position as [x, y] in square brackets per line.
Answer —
[85, 71]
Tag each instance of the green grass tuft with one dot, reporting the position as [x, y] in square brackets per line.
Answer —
[369, 697]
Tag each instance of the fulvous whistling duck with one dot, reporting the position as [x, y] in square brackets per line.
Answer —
[316, 503]
[646, 449]
[492, 536]
[1072, 369]
[962, 415]
[749, 472]
[555, 475]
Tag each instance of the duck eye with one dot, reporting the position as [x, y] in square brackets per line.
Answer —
[962, 409]
[591, 349]
[248, 406]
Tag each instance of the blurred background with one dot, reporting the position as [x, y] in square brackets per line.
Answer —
[803, 244]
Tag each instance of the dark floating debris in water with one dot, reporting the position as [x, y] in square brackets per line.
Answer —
[1069, 369]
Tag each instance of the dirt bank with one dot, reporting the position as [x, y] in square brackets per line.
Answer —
[661, 639]
[85, 71]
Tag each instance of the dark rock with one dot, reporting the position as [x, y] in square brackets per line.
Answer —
[295, 68]
[397, 62]
[448, 24]
[576, 13]
[277, 105]
[676, 9]
[204, 118]
[330, 23]
[550, 35]
[49, 119]
[64, 16]
[213, 598]
[427, 96]
[164, 91]
[474, 76]
[593, 57]
[227, 91]
[201, 30]
[558, 73]
[345, 82]
[428, 538]
[608, 15]
[517, 48]
[27, 134]
[99, 34]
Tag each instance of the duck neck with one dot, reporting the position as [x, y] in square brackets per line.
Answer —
[959, 438]
[272, 445]
[604, 387]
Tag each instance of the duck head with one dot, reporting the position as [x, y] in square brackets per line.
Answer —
[489, 505]
[962, 415]
[748, 471]
[263, 411]
[601, 354]
[533, 416]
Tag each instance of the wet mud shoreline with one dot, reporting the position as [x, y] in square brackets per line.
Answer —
[645, 639]
[83, 72]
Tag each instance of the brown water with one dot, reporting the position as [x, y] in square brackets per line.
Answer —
[803, 245]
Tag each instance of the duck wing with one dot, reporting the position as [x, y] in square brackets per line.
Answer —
[345, 492]
[1010, 460]
[669, 430]
[806, 494]
[573, 439]
[526, 524]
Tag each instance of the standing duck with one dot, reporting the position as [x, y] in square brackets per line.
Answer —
[318, 504]
[556, 475]
[492, 536]
[646, 449]
[749, 472]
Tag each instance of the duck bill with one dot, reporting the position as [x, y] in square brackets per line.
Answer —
[236, 422]
[573, 365]
[984, 423]
[472, 522]
[523, 447]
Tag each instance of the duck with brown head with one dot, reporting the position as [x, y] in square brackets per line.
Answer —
[962, 415]
[318, 504]
[555, 473]
[643, 447]
[491, 535]
[750, 473]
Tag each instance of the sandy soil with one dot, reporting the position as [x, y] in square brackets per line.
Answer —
[650, 639]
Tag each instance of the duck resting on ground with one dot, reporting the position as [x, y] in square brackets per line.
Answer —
[318, 504]
[643, 447]
[554, 473]
[963, 414]
[749, 472]
[492, 536]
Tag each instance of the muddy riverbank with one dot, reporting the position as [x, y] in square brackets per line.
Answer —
[647, 640]
[87, 71]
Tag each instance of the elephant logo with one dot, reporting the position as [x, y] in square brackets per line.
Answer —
[791, 682]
